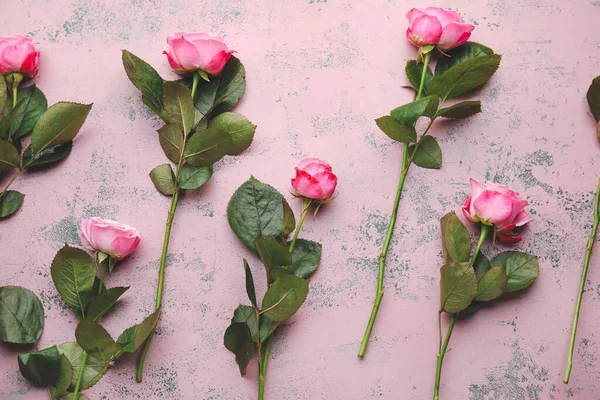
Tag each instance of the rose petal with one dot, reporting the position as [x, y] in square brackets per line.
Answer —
[425, 30]
[414, 14]
[466, 212]
[218, 62]
[328, 182]
[444, 16]
[123, 246]
[185, 52]
[522, 218]
[509, 238]
[307, 186]
[493, 207]
[311, 160]
[454, 34]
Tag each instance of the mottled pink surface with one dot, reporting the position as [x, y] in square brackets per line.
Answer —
[319, 72]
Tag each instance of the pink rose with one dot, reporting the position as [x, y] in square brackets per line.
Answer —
[109, 237]
[314, 179]
[17, 54]
[189, 52]
[495, 204]
[437, 26]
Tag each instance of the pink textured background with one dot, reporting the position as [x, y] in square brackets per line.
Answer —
[318, 73]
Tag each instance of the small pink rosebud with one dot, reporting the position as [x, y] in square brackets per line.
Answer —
[17, 54]
[189, 52]
[436, 26]
[314, 180]
[109, 237]
[495, 205]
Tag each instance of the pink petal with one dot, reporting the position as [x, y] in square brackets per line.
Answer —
[493, 207]
[216, 65]
[122, 246]
[425, 30]
[29, 66]
[307, 186]
[185, 53]
[509, 238]
[328, 182]
[311, 160]
[174, 63]
[466, 212]
[476, 190]
[522, 218]
[414, 14]
[454, 34]
[444, 16]
[507, 228]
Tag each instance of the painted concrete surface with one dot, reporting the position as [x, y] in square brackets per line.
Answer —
[319, 72]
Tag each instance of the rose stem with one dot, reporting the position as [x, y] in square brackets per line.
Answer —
[386, 244]
[442, 352]
[163, 258]
[263, 365]
[84, 357]
[588, 254]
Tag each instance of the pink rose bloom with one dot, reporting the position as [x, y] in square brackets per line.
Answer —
[495, 204]
[189, 52]
[314, 179]
[437, 26]
[109, 237]
[17, 54]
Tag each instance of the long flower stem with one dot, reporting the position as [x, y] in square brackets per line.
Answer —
[161, 272]
[103, 268]
[265, 360]
[440, 358]
[195, 79]
[588, 254]
[406, 162]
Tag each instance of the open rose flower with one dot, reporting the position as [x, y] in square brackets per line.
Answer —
[436, 26]
[189, 52]
[314, 180]
[109, 237]
[17, 54]
[496, 205]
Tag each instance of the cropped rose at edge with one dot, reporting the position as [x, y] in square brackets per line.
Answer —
[109, 237]
[496, 205]
[314, 179]
[189, 52]
[436, 26]
[18, 54]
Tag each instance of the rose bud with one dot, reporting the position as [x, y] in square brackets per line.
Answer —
[436, 26]
[190, 52]
[18, 55]
[314, 180]
[109, 237]
[495, 205]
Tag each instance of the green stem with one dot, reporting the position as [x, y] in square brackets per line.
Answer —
[196, 79]
[14, 95]
[586, 263]
[161, 271]
[406, 162]
[103, 268]
[440, 358]
[265, 360]
[485, 229]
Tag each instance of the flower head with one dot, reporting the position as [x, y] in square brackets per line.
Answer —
[190, 52]
[314, 180]
[18, 54]
[109, 237]
[436, 26]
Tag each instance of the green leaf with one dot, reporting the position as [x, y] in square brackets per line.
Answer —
[305, 257]
[289, 221]
[408, 114]
[193, 177]
[179, 106]
[94, 367]
[49, 155]
[102, 303]
[164, 179]
[456, 240]
[73, 273]
[21, 315]
[250, 284]
[272, 253]
[491, 285]
[414, 71]
[9, 156]
[463, 109]
[3, 93]
[64, 379]
[521, 269]
[255, 210]
[465, 76]
[481, 265]
[144, 77]
[41, 367]
[593, 98]
[222, 93]
[396, 131]
[239, 341]
[10, 202]
[95, 340]
[284, 297]
[247, 315]
[126, 340]
[458, 287]
[240, 129]
[12, 118]
[133, 337]
[172, 141]
[34, 105]
[428, 154]
[461, 54]
[59, 124]
[207, 146]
